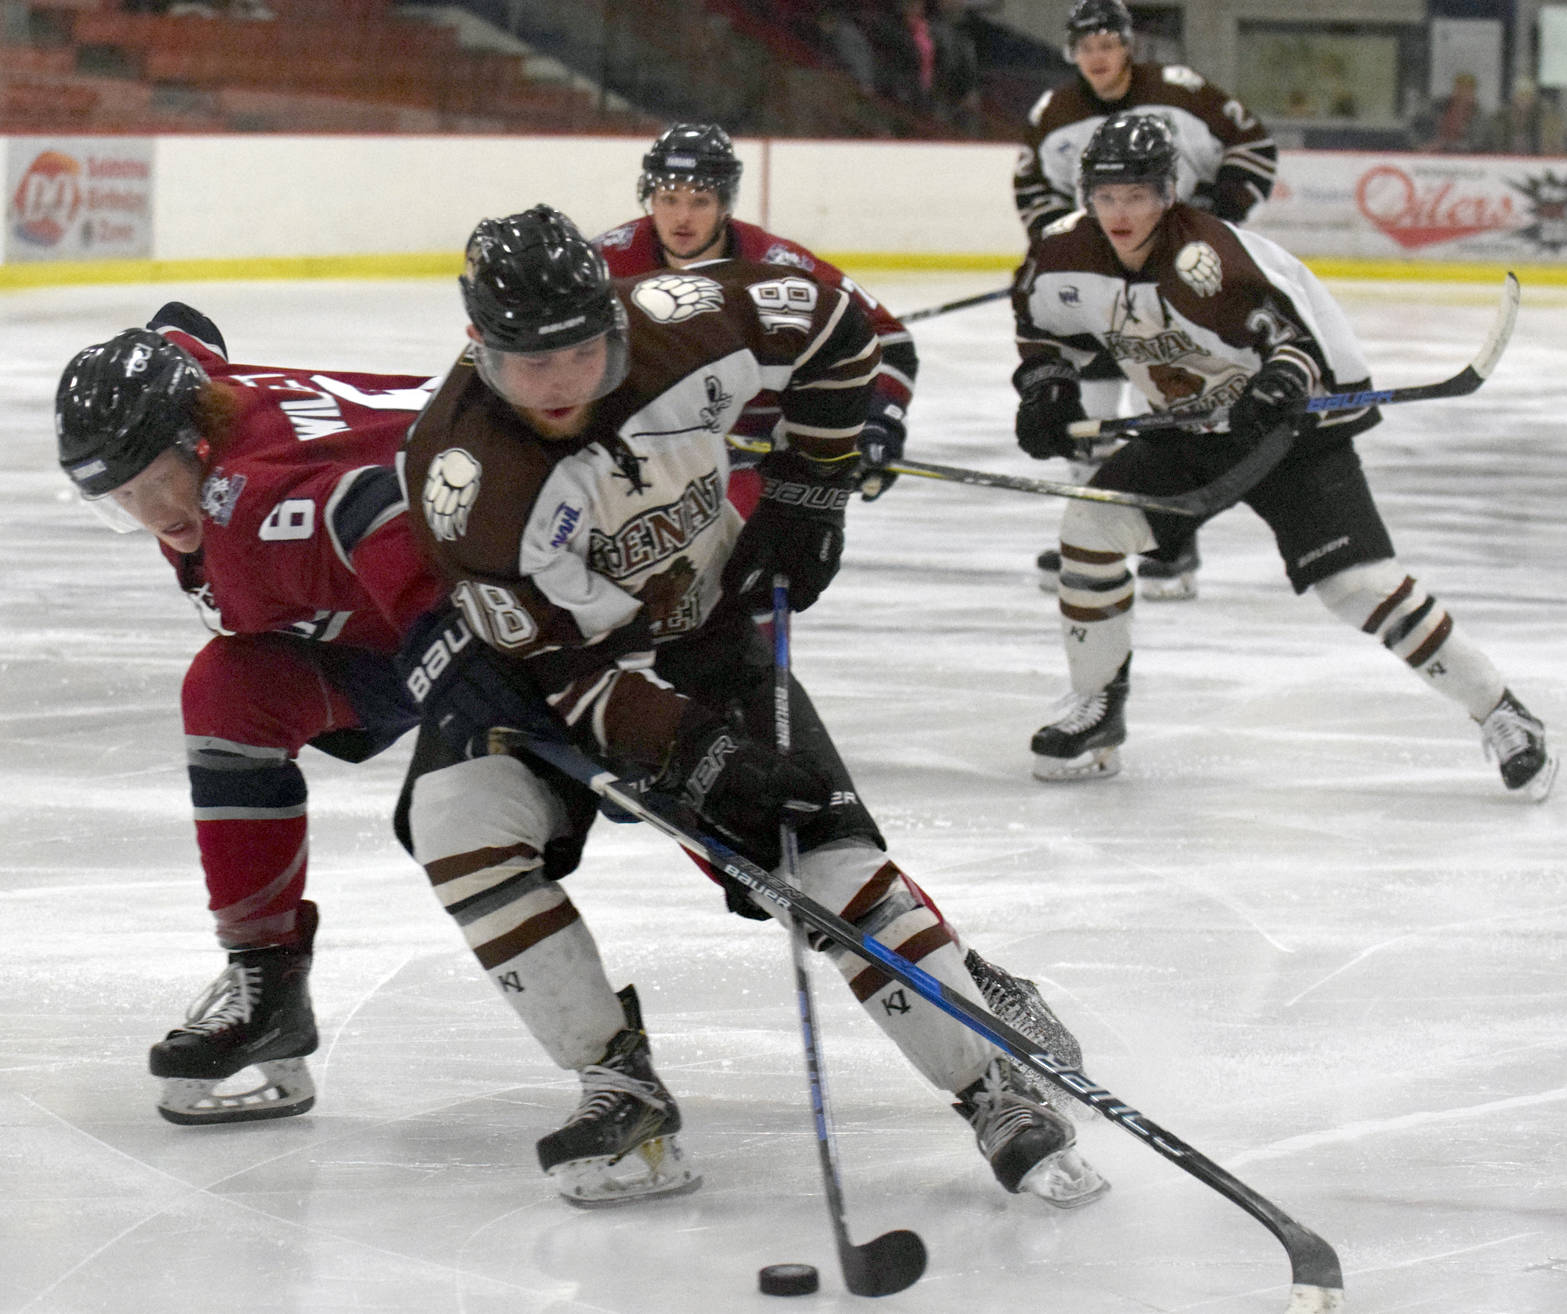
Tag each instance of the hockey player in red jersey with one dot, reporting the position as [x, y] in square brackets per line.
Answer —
[568, 479]
[1203, 316]
[689, 182]
[271, 494]
[1227, 165]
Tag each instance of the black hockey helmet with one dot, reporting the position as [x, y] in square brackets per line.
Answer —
[1090, 16]
[122, 404]
[1129, 148]
[698, 155]
[533, 284]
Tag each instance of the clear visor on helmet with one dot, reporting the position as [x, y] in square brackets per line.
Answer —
[111, 513]
[115, 508]
[555, 380]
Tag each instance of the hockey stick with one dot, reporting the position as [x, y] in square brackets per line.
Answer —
[1459, 385]
[930, 312]
[894, 1260]
[1317, 1280]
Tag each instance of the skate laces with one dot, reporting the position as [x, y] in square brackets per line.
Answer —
[602, 1085]
[1509, 730]
[1000, 1112]
[1076, 712]
[238, 987]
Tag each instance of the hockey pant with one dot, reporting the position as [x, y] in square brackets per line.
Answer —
[249, 704]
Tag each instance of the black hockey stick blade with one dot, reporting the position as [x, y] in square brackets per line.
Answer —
[930, 312]
[1316, 1276]
[1466, 381]
[884, 1265]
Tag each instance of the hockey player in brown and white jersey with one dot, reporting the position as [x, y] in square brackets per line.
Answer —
[1202, 316]
[568, 478]
[1227, 165]
[1227, 159]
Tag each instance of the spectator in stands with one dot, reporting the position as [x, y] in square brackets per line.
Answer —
[841, 24]
[1455, 123]
[1529, 124]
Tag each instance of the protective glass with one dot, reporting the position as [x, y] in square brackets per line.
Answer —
[555, 380]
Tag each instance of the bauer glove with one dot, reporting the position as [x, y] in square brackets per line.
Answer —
[464, 689]
[1272, 396]
[738, 786]
[1048, 401]
[881, 444]
[796, 530]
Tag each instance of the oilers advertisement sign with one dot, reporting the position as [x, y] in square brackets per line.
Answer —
[78, 198]
[1491, 208]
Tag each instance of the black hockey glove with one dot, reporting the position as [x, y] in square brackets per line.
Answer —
[1271, 397]
[740, 787]
[464, 688]
[1048, 401]
[796, 529]
[881, 443]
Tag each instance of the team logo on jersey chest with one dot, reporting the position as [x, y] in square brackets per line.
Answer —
[219, 493]
[1197, 265]
[675, 298]
[450, 490]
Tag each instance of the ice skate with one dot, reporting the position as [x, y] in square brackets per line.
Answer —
[255, 1015]
[1049, 563]
[1029, 1147]
[1515, 739]
[1083, 741]
[619, 1143]
[1170, 581]
[1018, 1003]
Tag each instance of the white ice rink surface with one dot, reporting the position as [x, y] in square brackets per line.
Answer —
[1306, 930]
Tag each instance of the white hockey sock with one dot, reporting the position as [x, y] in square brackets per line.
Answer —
[867, 888]
[1097, 590]
[478, 829]
[1381, 600]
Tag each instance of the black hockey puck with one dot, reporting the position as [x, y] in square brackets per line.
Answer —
[788, 1280]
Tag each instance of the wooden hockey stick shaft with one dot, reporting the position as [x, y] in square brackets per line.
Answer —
[1458, 385]
[895, 1260]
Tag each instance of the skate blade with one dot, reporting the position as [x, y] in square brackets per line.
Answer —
[655, 1168]
[283, 1089]
[1096, 764]
[1065, 1180]
[1182, 588]
[1049, 582]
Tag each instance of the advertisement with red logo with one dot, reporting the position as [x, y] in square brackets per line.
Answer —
[78, 198]
[1419, 207]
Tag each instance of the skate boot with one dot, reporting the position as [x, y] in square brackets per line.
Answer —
[1082, 741]
[1170, 581]
[1049, 563]
[257, 1014]
[1029, 1147]
[1516, 739]
[1018, 1003]
[619, 1143]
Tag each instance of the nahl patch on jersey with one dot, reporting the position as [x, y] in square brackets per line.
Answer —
[675, 298]
[450, 490]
